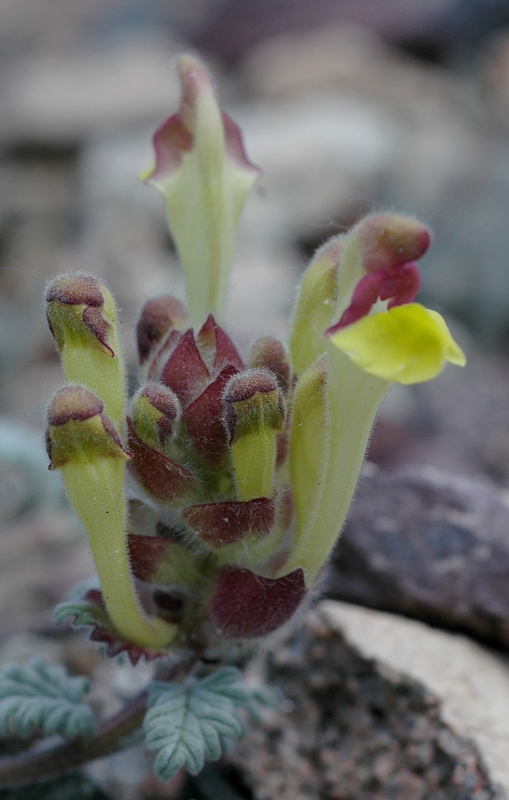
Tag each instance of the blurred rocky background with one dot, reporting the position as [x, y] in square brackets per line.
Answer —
[347, 105]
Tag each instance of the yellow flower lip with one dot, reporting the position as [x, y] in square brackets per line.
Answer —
[406, 344]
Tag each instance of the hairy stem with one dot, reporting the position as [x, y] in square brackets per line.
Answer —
[112, 732]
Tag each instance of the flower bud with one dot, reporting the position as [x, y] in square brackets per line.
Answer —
[159, 315]
[255, 414]
[78, 429]
[82, 318]
[155, 410]
[83, 443]
[269, 353]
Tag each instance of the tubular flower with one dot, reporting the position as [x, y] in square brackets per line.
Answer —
[203, 173]
[214, 497]
[380, 337]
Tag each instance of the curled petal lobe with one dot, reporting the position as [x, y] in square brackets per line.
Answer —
[82, 318]
[406, 344]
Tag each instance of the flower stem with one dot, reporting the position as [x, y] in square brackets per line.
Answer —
[112, 733]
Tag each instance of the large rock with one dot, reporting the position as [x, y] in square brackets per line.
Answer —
[471, 683]
[428, 544]
[351, 728]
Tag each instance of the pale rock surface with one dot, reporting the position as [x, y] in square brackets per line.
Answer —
[58, 98]
[436, 124]
[471, 682]
[318, 152]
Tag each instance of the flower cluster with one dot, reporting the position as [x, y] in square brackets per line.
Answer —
[213, 499]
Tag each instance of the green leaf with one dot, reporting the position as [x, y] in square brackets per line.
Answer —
[190, 724]
[42, 700]
[82, 612]
[81, 607]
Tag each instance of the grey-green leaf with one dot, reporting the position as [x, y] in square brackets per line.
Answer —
[189, 724]
[80, 611]
[37, 699]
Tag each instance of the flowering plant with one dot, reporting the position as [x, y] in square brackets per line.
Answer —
[212, 498]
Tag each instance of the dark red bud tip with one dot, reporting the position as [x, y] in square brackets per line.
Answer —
[162, 399]
[75, 288]
[245, 605]
[216, 347]
[388, 241]
[248, 383]
[203, 420]
[253, 402]
[269, 352]
[73, 403]
[185, 371]
[158, 315]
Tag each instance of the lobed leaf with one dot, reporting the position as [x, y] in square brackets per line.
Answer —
[39, 699]
[191, 724]
[81, 612]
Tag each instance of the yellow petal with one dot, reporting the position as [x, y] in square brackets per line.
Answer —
[407, 344]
